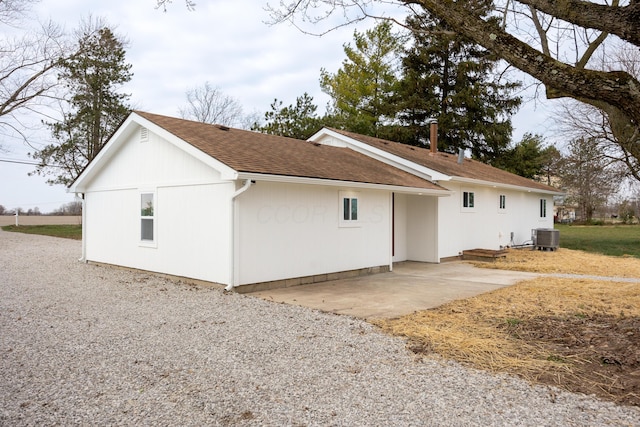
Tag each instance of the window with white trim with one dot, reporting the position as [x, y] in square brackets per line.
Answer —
[502, 202]
[468, 199]
[543, 208]
[349, 208]
[147, 217]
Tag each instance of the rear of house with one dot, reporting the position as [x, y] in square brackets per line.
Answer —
[237, 207]
[241, 208]
[487, 207]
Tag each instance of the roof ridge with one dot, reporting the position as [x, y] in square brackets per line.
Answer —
[447, 163]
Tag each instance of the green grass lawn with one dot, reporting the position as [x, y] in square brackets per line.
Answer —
[614, 240]
[66, 231]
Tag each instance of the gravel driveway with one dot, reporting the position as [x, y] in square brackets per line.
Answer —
[90, 345]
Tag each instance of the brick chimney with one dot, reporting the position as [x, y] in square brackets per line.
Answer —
[433, 137]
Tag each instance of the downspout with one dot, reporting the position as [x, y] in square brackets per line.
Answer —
[232, 281]
[392, 213]
[83, 257]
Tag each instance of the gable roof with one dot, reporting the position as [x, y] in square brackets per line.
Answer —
[447, 163]
[258, 153]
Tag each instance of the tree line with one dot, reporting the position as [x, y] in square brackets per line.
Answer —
[70, 208]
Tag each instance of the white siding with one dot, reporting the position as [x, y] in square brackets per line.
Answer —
[286, 231]
[153, 163]
[422, 220]
[400, 228]
[485, 226]
[416, 228]
[192, 213]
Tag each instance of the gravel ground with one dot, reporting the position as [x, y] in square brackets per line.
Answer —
[92, 345]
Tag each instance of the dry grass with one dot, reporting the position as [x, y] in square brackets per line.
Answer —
[567, 261]
[479, 331]
[475, 330]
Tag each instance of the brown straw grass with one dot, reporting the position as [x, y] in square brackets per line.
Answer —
[479, 331]
[566, 261]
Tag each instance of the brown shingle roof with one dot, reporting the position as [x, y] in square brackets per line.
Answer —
[246, 151]
[448, 163]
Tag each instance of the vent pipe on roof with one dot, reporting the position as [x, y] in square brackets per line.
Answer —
[433, 136]
[460, 155]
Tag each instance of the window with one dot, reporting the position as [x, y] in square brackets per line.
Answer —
[503, 202]
[349, 209]
[543, 208]
[147, 213]
[468, 199]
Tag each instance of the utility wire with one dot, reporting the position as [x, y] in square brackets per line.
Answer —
[27, 162]
[20, 162]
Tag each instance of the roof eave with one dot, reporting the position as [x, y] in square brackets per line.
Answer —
[94, 166]
[505, 186]
[341, 183]
[125, 130]
[382, 155]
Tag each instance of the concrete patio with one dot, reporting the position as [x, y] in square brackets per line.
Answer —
[411, 286]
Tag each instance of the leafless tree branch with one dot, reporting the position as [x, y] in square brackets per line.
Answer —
[207, 104]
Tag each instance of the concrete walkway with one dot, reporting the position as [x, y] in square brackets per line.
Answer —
[411, 286]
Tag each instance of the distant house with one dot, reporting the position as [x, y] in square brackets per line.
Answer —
[251, 210]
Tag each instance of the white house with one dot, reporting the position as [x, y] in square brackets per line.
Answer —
[251, 210]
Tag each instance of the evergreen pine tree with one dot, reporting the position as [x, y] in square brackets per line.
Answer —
[362, 89]
[96, 109]
[449, 78]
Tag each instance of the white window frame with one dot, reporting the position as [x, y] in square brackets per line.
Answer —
[543, 209]
[153, 243]
[467, 197]
[502, 203]
[349, 221]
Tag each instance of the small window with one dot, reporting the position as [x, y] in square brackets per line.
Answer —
[503, 202]
[543, 208]
[468, 199]
[350, 208]
[147, 216]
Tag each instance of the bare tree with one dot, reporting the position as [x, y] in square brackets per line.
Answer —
[207, 104]
[589, 177]
[508, 33]
[71, 208]
[162, 4]
[583, 120]
[13, 11]
[28, 59]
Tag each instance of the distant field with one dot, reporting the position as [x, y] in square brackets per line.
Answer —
[614, 240]
[40, 220]
[67, 231]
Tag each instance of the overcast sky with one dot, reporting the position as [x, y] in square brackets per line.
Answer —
[225, 42]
